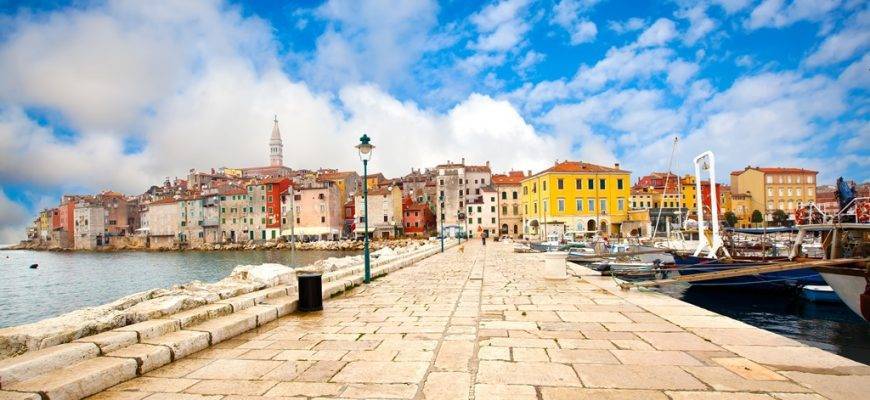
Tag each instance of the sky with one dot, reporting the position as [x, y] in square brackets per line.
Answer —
[120, 94]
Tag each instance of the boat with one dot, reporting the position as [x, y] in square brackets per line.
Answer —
[633, 270]
[688, 265]
[820, 294]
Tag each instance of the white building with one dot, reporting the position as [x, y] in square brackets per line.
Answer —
[385, 213]
[161, 223]
[458, 185]
[90, 225]
[483, 213]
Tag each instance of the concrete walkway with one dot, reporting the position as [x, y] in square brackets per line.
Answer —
[484, 324]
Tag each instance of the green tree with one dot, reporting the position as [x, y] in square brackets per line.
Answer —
[757, 217]
[779, 217]
[730, 219]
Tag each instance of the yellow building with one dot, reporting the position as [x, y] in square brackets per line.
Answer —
[771, 189]
[577, 197]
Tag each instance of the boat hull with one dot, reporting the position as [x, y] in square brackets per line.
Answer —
[854, 290]
[688, 265]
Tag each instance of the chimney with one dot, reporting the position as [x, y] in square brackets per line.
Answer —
[616, 165]
[487, 163]
[530, 172]
[463, 160]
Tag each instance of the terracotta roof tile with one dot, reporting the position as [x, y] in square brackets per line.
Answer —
[579, 166]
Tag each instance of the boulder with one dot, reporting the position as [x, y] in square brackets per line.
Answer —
[267, 274]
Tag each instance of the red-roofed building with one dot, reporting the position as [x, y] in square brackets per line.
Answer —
[265, 207]
[510, 217]
[417, 218]
[774, 188]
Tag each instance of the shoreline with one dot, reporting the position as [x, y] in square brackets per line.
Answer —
[341, 245]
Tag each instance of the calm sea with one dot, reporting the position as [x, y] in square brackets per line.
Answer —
[68, 281]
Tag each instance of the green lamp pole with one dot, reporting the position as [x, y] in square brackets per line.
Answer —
[365, 154]
[442, 222]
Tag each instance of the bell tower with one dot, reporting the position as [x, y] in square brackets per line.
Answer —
[276, 148]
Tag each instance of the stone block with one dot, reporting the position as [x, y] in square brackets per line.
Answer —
[35, 363]
[285, 305]
[224, 328]
[201, 314]
[263, 313]
[260, 296]
[148, 357]
[4, 395]
[151, 328]
[182, 343]
[238, 303]
[80, 380]
[111, 340]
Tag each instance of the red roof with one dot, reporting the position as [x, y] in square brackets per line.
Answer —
[580, 166]
[777, 170]
[511, 178]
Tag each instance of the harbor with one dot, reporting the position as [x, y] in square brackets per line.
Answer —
[480, 322]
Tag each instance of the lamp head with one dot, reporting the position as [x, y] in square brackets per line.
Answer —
[365, 147]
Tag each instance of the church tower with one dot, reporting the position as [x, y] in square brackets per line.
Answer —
[276, 148]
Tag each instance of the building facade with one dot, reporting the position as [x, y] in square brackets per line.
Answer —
[510, 217]
[90, 222]
[314, 212]
[774, 188]
[384, 210]
[577, 198]
[458, 185]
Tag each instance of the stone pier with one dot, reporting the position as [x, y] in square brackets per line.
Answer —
[481, 322]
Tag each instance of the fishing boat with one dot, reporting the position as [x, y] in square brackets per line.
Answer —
[633, 270]
[820, 294]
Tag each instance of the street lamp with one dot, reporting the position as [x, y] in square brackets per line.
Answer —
[461, 216]
[365, 154]
[441, 198]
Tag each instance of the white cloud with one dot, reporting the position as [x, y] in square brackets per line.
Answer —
[659, 33]
[530, 59]
[699, 23]
[732, 6]
[629, 25]
[852, 40]
[744, 61]
[569, 15]
[622, 65]
[501, 25]
[13, 219]
[778, 14]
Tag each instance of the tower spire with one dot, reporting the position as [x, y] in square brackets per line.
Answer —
[276, 147]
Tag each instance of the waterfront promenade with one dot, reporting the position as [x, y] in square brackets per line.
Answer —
[485, 324]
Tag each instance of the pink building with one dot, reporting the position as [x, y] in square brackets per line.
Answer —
[314, 212]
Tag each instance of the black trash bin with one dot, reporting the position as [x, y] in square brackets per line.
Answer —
[310, 292]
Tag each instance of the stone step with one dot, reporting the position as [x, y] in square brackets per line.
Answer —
[35, 363]
[79, 380]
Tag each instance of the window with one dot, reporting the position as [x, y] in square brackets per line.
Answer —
[619, 183]
[516, 209]
[515, 194]
[788, 179]
[810, 179]
[503, 210]
[781, 205]
[535, 187]
[535, 207]
[525, 190]
[591, 205]
[578, 203]
[797, 179]
[790, 192]
[322, 219]
[769, 191]
[560, 204]
[780, 191]
[478, 209]
[546, 205]
[780, 179]
[560, 184]
[769, 179]
[603, 205]
[809, 192]
[590, 184]
[601, 184]
[479, 220]
[620, 204]
[504, 195]
[544, 186]
[790, 205]
[578, 183]
[385, 218]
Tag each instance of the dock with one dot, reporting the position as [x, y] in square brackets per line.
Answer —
[484, 323]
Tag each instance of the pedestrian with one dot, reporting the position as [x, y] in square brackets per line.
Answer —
[483, 238]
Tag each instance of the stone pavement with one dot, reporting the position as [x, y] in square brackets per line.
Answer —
[484, 324]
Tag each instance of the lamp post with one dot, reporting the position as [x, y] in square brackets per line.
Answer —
[441, 200]
[365, 154]
[461, 216]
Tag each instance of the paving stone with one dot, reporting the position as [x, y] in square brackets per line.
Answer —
[228, 387]
[181, 396]
[321, 371]
[111, 340]
[264, 313]
[748, 369]
[454, 356]
[381, 372]
[833, 386]
[308, 389]
[116, 395]
[447, 386]
[288, 370]
[182, 343]
[494, 353]
[743, 337]
[504, 392]
[677, 341]
[79, 380]
[802, 357]
[526, 373]
[717, 396]
[722, 379]
[201, 314]
[582, 356]
[636, 377]
[654, 357]
[148, 357]
[35, 363]
[592, 316]
[380, 391]
[585, 344]
[235, 369]
[179, 368]
[529, 354]
[150, 384]
[520, 342]
[550, 393]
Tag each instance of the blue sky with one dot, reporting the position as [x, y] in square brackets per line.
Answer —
[121, 94]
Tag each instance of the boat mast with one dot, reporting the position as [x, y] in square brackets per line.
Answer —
[665, 191]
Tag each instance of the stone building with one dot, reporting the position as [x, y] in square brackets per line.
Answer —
[234, 223]
[90, 224]
[775, 188]
[161, 223]
[417, 218]
[265, 207]
[482, 215]
[314, 212]
[510, 218]
[457, 185]
[385, 213]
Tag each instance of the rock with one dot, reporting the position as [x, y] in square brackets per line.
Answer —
[267, 274]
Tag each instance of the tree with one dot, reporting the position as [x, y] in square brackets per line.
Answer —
[730, 219]
[779, 217]
[757, 217]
